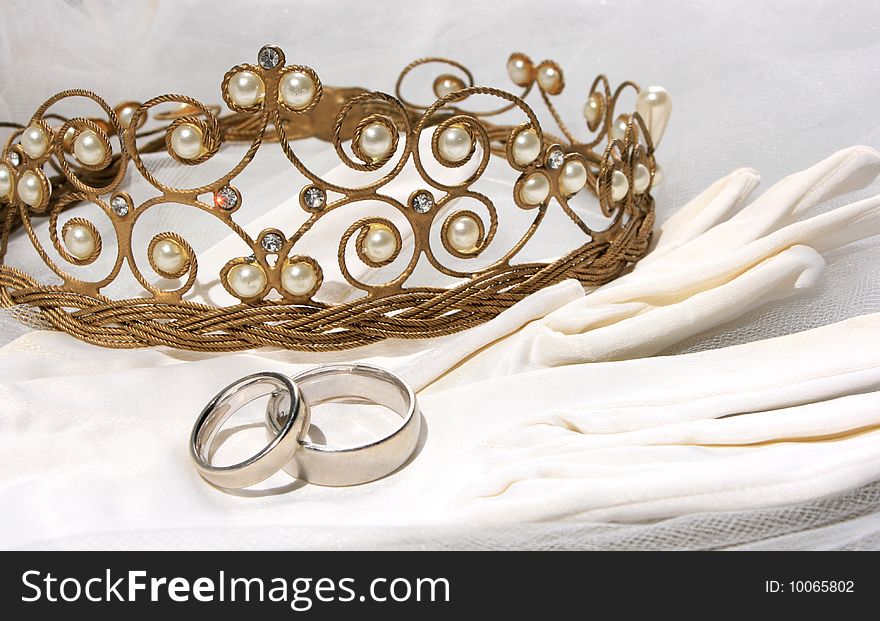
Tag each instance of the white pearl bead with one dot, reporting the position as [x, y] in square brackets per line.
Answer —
[80, 241]
[5, 181]
[186, 141]
[298, 278]
[519, 70]
[535, 189]
[526, 147]
[375, 141]
[463, 233]
[455, 143]
[641, 178]
[89, 148]
[573, 178]
[30, 190]
[379, 244]
[549, 78]
[124, 116]
[297, 89]
[594, 108]
[69, 137]
[654, 104]
[246, 279]
[246, 89]
[169, 256]
[618, 130]
[619, 186]
[446, 84]
[34, 141]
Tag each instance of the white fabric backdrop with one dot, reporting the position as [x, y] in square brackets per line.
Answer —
[776, 89]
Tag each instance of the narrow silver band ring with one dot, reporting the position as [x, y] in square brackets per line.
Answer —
[285, 398]
[352, 465]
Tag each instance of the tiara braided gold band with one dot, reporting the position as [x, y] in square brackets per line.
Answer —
[278, 289]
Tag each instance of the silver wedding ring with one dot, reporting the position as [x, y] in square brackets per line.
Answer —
[352, 465]
[287, 424]
[285, 396]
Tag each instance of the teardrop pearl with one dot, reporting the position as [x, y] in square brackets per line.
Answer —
[619, 186]
[5, 181]
[535, 189]
[380, 243]
[375, 141]
[618, 130]
[654, 104]
[79, 240]
[463, 233]
[298, 278]
[455, 143]
[30, 189]
[641, 178]
[526, 147]
[573, 178]
[34, 141]
[246, 89]
[169, 256]
[594, 108]
[297, 89]
[88, 148]
[246, 279]
[186, 141]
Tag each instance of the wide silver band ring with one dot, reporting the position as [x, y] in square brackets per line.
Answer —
[285, 398]
[351, 465]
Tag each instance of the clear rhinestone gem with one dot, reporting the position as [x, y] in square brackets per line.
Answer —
[555, 159]
[268, 57]
[226, 198]
[14, 158]
[272, 242]
[422, 202]
[119, 206]
[314, 198]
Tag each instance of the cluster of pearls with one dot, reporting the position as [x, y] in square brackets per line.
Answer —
[169, 256]
[379, 244]
[187, 141]
[80, 240]
[463, 233]
[30, 188]
[299, 278]
[247, 280]
[88, 148]
[34, 141]
[455, 143]
[375, 141]
[5, 181]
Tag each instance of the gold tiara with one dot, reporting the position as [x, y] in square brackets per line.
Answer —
[56, 162]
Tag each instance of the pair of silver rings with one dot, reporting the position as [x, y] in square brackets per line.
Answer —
[288, 417]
